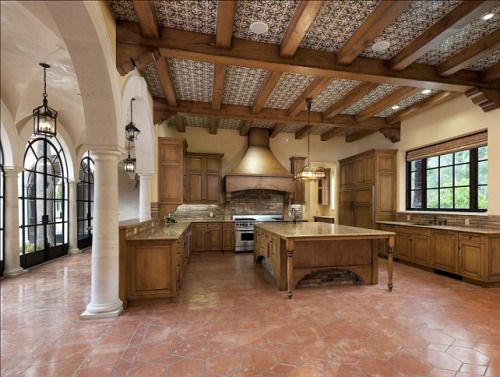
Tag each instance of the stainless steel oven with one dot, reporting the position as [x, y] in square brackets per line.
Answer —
[244, 229]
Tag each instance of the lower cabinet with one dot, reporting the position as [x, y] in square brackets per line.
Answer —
[413, 245]
[212, 236]
[471, 252]
[444, 252]
[421, 247]
[228, 236]
[402, 248]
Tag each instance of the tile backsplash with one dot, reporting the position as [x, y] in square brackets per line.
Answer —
[197, 211]
[451, 219]
[261, 202]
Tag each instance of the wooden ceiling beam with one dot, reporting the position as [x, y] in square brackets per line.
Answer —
[358, 135]
[147, 18]
[180, 125]
[159, 116]
[182, 44]
[302, 19]
[274, 115]
[277, 129]
[313, 90]
[392, 99]
[381, 17]
[470, 55]
[350, 98]
[214, 125]
[393, 134]
[492, 73]
[425, 104]
[265, 91]
[486, 99]
[226, 10]
[463, 14]
[166, 80]
[245, 127]
[332, 133]
[218, 86]
[300, 134]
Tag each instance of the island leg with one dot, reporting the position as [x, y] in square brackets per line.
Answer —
[390, 253]
[289, 267]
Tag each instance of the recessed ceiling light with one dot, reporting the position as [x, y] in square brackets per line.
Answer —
[259, 27]
[380, 46]
[426, 91]
[487, 16]
[395, 107]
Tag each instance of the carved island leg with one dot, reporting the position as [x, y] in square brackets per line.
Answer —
[390, 253]
[289, 267]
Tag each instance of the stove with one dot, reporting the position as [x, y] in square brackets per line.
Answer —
[243, 225]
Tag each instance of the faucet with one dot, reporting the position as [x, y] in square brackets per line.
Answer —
[294, 215]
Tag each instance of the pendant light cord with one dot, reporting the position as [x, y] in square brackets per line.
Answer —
[308, 102]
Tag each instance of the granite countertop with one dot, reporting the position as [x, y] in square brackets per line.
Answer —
[204, 220]
[457, 228]
[318, 230]
[162, 232]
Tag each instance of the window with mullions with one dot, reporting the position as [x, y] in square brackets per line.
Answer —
[85, 202]
[456, 181]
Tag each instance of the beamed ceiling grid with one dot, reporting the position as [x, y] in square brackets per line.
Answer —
[206, 68]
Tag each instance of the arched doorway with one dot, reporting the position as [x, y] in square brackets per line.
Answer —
[85, 201]
[44, 200]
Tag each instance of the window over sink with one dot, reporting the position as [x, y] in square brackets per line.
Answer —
[450, 179]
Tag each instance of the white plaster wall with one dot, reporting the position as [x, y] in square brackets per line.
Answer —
[128, 197]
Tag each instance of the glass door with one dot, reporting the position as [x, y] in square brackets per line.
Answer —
[85, 202]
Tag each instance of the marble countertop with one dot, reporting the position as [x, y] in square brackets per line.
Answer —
[457, 228]
[162, 232]
[319, 230]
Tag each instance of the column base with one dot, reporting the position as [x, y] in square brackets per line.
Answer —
[15, 272]
[74, 251]
[89, 315]
[94, 311]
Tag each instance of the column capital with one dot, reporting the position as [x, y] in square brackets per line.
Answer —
[12, 170]
[145, 174]
[111, 154]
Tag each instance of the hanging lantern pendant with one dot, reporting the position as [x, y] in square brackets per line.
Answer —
[44, 117]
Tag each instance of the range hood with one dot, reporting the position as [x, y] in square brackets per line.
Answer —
[259, 168]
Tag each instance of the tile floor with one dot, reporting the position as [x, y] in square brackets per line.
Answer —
[230, 321]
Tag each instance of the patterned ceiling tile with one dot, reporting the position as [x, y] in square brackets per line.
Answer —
[406, 103]
[193, 81]
[241, 85]
[332, 93]
[292, 128]
[153, 81]
[263, 124]
[375, 95]
[486, 62]
[463, 38]
[276, 14]
[197, 121]
[409, 25]
[123, 10]
[197, 16]
[230, 124]
[320, 130]
[336, 22]
[289, 87]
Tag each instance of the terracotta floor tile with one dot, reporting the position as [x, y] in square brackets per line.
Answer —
[468, 355]
[480, 370]
[441, 360]
[411, 364]
[187, 368]
[95, 372]
[377, 368]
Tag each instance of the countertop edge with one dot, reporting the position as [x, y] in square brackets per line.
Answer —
[456, 228]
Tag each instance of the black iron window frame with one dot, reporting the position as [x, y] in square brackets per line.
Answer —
[85, 186]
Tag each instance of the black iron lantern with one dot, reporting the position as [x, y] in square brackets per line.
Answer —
[44, 117]
[131, 131]
[129, 164]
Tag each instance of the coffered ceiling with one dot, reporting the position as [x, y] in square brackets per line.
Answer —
[206, 68]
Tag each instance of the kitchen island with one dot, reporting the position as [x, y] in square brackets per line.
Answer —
[294, 251]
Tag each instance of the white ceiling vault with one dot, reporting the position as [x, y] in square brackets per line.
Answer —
[334, 24]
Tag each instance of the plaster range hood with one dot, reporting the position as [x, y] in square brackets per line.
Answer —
[259, 168]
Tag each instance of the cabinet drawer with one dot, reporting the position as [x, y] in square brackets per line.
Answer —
[471, 237]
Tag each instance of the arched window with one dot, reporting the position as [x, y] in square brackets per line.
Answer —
[85, 202]
[2, 213]
[44, 200]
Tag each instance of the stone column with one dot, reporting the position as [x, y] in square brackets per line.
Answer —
[11, 225]
[104, 300]
[73, 221]
[145, 196]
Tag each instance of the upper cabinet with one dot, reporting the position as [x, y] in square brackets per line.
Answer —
[170, 173]
[203, 181]
[324, 189]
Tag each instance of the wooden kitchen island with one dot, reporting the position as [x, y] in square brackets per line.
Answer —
[294, 251]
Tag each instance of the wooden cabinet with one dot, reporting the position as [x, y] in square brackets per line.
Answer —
[199, 237]
[296, 165]
[413, 245]
[170, 174]
[228, 236]
[421, 250]
[324, 191]
[402, 248]
[203, 180]
[444, 250]
[471, 256]
[369, 181]
[212, 236]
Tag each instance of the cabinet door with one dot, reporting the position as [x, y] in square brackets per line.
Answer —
[470, 260]
[214, 237]
[296, 165]
[213, 188]
[370, 169]
[346, 208]
[363, 208]
[170, 183]
[444, 250]
[195, 188]
[228, 236]
[346, 174]
[421, 252]
[360, 170]
[402, 248]
[199, 237]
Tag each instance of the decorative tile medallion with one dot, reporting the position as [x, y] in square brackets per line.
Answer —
[193, 81]
[406, 103]
[336, 22]
[197, 121]
[467, 36]
[241, 85]
[230, 124]
[275, 13]
[151, 76]
[289, 87]
[292, 128]
[320, 130]
[332, 93]
[409, 25]
[375, 95]
[197, 16]
[123, 10]
[263, 124]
